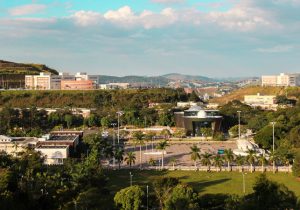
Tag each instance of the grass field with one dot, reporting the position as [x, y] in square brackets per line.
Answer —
[203, 182]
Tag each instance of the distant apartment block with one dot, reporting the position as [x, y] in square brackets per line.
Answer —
[110, 86]
[281, 80]
[65, 81]
[263, 101]
[43, 81]
[77, 85]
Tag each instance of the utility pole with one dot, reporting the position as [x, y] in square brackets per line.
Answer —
[119, 113]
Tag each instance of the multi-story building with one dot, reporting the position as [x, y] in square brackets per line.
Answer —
[47, 81]
[196, 118]
[77, 85]
[263, 101]
[15, 145]
[281, 80]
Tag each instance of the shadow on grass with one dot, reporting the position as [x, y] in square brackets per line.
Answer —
[200, 186]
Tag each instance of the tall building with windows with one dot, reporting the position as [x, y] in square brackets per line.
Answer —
[65, 81]
[281, 80]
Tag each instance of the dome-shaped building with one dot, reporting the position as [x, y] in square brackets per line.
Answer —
[196, 117]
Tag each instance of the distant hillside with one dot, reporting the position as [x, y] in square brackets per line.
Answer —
[104, 79]
[7, 67]
[240, 93]
[175, 76]
[12, 75]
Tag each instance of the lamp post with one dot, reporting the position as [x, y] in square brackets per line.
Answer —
[273, 137]
[131, 175]
[239, 113]
[147, 196]
[119, 113]
[114, 144]
[244, 184]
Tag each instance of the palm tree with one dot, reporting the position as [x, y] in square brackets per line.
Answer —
[273, 158]
[229, 157]
[130, 158]
[173, 161]
[287, 159]
[119, 156]
[162, 145]
[206, 160]
[138, 135]
[240, 160]
[262, 160]
[152, 162]
[251, 157]
[16, 146]
[195, 154]
[218, 162]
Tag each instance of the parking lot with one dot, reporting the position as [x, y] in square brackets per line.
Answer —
[179, 151]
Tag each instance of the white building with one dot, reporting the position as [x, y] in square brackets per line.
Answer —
[110, 86]
[263, 101]
[188, 104]
[281, 80]
[14, 145]
[48, 81]
[53, 155]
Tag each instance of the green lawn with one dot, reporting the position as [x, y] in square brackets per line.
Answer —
[214, 182]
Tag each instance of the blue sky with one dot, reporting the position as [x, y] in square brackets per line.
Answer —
[216, 38]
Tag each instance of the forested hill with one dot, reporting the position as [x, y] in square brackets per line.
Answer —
[184, 77]
[11, 68]
[137, 98]
[159, 80]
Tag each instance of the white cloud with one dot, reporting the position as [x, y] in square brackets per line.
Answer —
[86, 18]
[27, 9]
[241, 17]
[276, 49]
[125, 17]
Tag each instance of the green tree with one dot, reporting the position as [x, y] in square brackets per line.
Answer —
[251, 158]
[180, 198]
[218, 162]
[162, 145]
[138, 135]
[229, 157]
[163, 187]
[119, 156]
[195, 155]
[296, 165]
[130, 159]
[262, 160]
[129, 198]
[206, 160]
[69, 120]
[105, 122]
[234, 130]
[240, 161]
[266, 192]
[294, 136]
[173, 161]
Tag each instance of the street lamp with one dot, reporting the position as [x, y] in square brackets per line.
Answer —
[147, 196]
[114, 144]
[273, 126]
[131, 175]
[119, 113]
[239, 113]
[244, 184]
